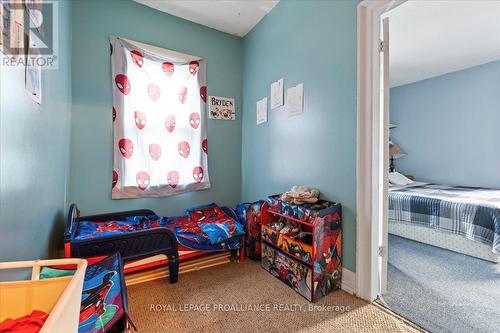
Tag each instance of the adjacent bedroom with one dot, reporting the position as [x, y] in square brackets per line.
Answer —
[443, 269]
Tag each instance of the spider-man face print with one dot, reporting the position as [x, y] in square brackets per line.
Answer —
[142, 179]
[168, 68]
[154, 92]
[123, 84]
[193, 67]
[198, 174]
[184, 149]
[155, 151]
[170, 123]
[140, 119]
[115, 179]
[204, 145]
[173, 178]
[126, 147]
[182, 94]
[194, 120]
[203, 93]
[137, 58]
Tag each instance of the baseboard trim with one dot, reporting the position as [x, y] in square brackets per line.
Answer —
[348, 281]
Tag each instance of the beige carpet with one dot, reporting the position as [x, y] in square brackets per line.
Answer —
[223, 298]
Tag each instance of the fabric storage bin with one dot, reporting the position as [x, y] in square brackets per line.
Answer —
[295, 248]
[293, 273]
[274, 203]
[307, 212]
[58, 297]
[270, 235]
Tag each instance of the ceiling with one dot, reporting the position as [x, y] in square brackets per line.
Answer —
[235, 17]
[431, 38]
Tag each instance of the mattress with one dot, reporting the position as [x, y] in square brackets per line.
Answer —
[204, 228]
[468, 211]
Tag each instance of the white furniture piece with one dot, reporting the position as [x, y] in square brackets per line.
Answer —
[60, 297]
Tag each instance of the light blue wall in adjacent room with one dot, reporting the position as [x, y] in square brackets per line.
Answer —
[91, 136]
[34, 155]
[450, 127]
[310, 42]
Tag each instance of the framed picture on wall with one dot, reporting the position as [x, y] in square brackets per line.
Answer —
[12, 28]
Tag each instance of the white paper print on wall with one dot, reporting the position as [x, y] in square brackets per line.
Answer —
[33, 76]
[261, 111]
[277, 92]
[295, 100]
[221, 108]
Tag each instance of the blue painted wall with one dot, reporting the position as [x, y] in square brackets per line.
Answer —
[91, 131]
[449, 126]
[34, 149]
[313, 42]
[315, 149]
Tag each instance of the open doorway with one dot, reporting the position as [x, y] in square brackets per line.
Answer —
[438, 222]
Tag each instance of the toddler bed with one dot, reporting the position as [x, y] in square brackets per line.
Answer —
[146, 240]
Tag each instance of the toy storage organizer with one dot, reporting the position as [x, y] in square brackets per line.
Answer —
[59, 297]
[313, 267]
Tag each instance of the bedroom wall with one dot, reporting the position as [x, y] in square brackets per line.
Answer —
[448, 125]
[317, 148]
[91, 139]
[34, 155]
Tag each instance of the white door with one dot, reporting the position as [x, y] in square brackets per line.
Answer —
[384, 123]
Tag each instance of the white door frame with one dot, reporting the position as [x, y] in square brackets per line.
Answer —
[372, 153]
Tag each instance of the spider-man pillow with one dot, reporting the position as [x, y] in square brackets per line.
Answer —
[215, 223]
[184, 228]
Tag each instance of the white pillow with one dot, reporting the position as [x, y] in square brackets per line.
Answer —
[398, 179]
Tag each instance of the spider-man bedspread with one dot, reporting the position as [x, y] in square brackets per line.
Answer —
[205, 228]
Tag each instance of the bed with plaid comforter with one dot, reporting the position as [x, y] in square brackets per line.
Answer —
[471, 212]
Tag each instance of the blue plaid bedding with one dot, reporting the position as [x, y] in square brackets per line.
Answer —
[471, 212]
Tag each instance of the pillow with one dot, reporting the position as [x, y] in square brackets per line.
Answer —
[208, 214]
[215, 223]
[396, 178]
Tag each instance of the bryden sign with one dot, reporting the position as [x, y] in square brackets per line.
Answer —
[221, 108]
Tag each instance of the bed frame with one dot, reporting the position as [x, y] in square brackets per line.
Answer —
[132, 246]
[443, 239]
[140, 250]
